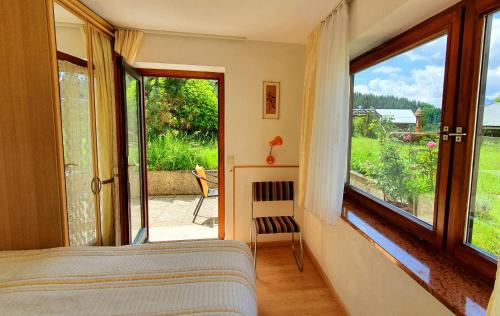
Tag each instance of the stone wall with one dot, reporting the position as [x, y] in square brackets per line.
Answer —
[176, 182]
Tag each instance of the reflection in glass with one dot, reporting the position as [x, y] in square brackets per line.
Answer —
[133, 151]
[483, 228]
[395, 128]
[76, 127]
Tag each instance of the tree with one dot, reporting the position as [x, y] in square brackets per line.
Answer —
[187, 106]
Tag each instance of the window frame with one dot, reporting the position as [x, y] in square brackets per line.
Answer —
[448, 22]
[463, 23]
[472, 52]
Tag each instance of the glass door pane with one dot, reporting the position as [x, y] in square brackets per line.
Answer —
[78, 162]
[134, 155]
[483, 222]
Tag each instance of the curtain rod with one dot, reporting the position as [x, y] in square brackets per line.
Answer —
[335, 9]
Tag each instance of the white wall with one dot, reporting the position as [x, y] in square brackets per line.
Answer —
[365, 279]
[374, 22]
[247, 64]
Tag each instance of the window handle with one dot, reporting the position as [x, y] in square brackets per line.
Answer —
[459, 133]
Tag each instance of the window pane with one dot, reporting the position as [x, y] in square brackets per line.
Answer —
[484, 205]
[395, 128]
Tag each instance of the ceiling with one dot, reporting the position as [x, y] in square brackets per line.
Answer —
[288, 21]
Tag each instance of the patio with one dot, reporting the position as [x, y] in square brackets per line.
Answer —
[171, 216]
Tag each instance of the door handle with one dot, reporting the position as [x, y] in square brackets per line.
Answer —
[133, 165]
[459, 133]
[96, 185]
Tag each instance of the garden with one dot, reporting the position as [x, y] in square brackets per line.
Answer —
[400, 167]
[181, 123]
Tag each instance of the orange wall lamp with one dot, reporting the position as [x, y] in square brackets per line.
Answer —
[276, 141]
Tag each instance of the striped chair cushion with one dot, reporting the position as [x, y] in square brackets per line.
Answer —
[272, 191]
[276, 224]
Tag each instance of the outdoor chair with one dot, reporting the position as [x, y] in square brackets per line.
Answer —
[201, 179]
[268, 192]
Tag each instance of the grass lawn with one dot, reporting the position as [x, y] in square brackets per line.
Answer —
[365, 154]
[181, 152]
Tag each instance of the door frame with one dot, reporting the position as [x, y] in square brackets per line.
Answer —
[219, 76]
[125, 227]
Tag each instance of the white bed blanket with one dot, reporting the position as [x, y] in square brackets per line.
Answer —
[178, 278]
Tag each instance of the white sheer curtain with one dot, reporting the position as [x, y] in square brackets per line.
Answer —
[326, 171]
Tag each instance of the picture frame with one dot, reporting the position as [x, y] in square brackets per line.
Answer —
[271, 100]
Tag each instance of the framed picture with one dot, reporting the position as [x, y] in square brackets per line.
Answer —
[271, 100]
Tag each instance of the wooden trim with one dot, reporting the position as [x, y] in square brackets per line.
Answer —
[121, 150]
[82, 11]
[57, 121]
[324, 276]
[235, 167]
[220, 127]
[423, 32]
[448, 22]
[472, 54]
[221, 156]
[72, 59]
[147, 72]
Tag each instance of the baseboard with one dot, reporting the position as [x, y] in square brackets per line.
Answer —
[325, 278]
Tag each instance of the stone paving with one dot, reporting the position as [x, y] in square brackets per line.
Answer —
[171, 216]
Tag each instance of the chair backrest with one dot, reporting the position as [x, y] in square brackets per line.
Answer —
[273, 191]
[201, 178]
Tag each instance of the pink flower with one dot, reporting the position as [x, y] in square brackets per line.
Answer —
[407, 137]
[431, 145]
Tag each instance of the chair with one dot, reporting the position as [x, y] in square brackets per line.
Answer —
[201, 178]
[275, 191]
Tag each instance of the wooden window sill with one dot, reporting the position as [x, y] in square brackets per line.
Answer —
[458, 288]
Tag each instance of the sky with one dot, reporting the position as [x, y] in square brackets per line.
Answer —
[418, 74]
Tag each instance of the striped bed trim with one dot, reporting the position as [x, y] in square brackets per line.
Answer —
[276, 225]
[272, 191]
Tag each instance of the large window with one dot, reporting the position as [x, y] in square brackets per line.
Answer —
[395, 128]
[425, 132]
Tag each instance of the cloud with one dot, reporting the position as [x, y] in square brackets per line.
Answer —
[424, 84]
[386, 70]
[414, 56]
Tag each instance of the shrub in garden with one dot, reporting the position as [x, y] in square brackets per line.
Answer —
[181, 120]
[174, 151]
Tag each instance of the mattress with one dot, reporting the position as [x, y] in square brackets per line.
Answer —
[177, 278]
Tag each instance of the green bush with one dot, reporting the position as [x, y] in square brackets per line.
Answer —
[175, 151]
[188, 106]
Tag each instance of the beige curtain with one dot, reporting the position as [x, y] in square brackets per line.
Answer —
[127, 43]
[494, 305]
[307, 110]
[105, 102]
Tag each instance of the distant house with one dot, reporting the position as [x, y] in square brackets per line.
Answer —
[402, 118]
[491, 120]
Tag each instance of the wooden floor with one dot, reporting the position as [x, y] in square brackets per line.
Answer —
[283, 290]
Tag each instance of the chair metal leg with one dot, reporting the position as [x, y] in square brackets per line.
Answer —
[197, 209]
[300, 261]
[253, 230]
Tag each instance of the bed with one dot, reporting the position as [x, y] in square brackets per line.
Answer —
[177, 278]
